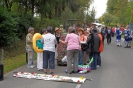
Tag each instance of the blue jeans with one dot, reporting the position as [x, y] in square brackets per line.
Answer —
[48, 58]
[94, 63]
[81, 57]
[99, 59]
[30, 56]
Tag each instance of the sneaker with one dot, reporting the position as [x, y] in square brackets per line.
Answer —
[71, 72]
[129, 46]
[126, 47]
[98, 66]
[30, 67]
[39, 69]
[66, 71]
[120, 46]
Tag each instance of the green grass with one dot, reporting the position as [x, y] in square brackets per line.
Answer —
[14, 62]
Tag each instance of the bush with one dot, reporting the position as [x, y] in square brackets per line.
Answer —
[8, 28]
[40, 24]
[24, 22]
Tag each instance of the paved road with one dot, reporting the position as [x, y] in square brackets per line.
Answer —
[116, 72]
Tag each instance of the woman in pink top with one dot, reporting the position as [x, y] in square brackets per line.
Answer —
[73, 46]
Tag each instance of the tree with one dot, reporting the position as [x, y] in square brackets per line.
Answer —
[120, 11]
[8, 28]
[20, 14]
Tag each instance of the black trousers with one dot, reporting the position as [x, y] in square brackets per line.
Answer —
[103, 39]
[108, 39]
[113, 34]
[26, 57]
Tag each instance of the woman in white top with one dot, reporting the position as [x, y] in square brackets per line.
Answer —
[40, 55]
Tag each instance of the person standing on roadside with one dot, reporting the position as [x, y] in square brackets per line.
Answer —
[94, 42]
[58, 36]
[108, 35]
[127, 37]
[40, 55]
[73, 46]
[49, 41]
[86, 54]
[82, 39]
[100, 49]
[113, 31]
[29, 47]
[118, 36]
[103, 33]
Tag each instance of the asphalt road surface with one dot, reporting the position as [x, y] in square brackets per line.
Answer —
[116, 72]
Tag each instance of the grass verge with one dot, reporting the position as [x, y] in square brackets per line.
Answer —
[14, 62]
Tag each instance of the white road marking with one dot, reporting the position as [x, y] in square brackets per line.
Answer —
[78, 86]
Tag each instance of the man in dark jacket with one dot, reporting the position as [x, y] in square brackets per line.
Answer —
[94, 43]
[103, 34]
[108, 35]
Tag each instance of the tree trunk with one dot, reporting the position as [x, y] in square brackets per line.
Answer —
[32, 9]
[6, 2]
[59, 11]
[18, 9]
[26, 7]
[63, 5]
[50, 14]
[56, 9]
[8, 5]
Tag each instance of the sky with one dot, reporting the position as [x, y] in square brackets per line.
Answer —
[100, 7]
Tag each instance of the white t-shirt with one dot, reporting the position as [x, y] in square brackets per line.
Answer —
[49, 41]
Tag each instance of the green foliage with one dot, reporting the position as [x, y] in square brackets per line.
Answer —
[120, 12]
[8, 28]
[16, 16]
[90, 17]
[50, 22]
[108, 19]
[67, 14]
[24, 22]
[80, 15]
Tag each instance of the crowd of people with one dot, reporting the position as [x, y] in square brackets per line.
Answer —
[120, 33]
[127, 36]
[83, 43]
